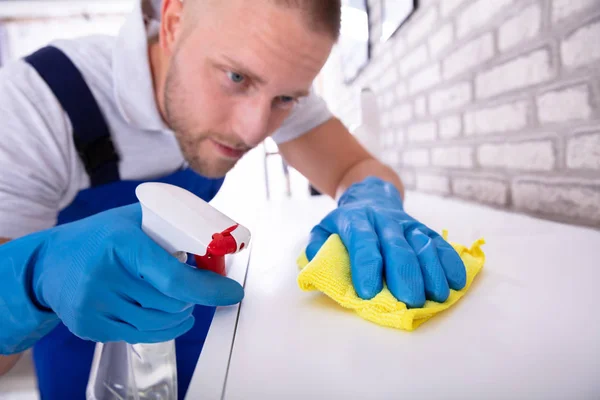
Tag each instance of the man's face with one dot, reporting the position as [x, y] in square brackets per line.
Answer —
[236, 72]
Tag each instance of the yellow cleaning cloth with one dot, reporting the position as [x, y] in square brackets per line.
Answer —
[329, 272]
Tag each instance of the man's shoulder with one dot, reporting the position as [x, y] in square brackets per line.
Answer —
[93, 57]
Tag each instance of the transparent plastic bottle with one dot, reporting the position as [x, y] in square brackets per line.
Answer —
[122, 371]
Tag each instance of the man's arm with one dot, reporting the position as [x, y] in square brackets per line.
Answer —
[7, 362]
[331, 158]
[417, 263]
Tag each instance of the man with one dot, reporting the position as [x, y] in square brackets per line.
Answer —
[179, 99]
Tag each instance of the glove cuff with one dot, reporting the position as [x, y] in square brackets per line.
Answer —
[23, 321]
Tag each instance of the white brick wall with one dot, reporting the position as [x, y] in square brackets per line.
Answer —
[433, 183]
[420, 106]
[450, 127]
[425, 79]
[413, 60]
[401, 90]
[457, 157]
[583, 151]
[502, 118]
[422, 132]
[422, 26]
[494, 101]
[579, 202]
[515, 74]
[564, 105]
[403, 113]
[489, 191]
[416, 158]
[527, 156]
[477, 14]
[469, 55]
[440, 40]
[581, 47]
[448, 6]
[562, 9]
[525, 25]
[450, 97]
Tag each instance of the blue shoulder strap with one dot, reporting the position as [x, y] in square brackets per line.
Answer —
[90, 132]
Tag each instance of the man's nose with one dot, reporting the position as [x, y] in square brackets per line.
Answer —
[252, 121]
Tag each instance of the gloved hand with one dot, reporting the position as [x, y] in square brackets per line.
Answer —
[106, 280]
[384, 242]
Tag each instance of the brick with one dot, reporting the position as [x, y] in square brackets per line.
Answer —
[526, 25]
[422, 132]
[413, 60]
[470, 55]
[420, 106]
[519, 73]
[408, 178]
[458, 156]
[581, 47]
[401, 90]
[441, 40]
[399, 137]
[425, 79]
[386, 119]
[527, 156]
[403, 113]
[399, 47]
[448, 6]
[450, 127]
[387, 58]
[416, 158]
[482, 190]
[575, 201]
[583, 152]
[565, 105]
[433, 183]
[450, 97]
[502, 118]
[388, 99]
[391, 157]
[562, 9]
[388, 78]
[478, 14]
[421, 26]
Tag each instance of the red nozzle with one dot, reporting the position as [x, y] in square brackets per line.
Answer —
[214, 259]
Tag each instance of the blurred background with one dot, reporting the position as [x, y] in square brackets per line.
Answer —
[495, 102]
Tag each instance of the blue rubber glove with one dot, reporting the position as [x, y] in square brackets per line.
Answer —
[106, 280]
[384, 242]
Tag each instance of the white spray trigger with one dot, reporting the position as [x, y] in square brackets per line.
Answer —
[181, 222]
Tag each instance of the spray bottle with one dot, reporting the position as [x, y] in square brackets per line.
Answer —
[182, 224]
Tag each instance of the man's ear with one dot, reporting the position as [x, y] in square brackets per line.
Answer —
[170, 24]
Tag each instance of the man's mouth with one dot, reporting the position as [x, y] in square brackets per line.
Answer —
[229, 152]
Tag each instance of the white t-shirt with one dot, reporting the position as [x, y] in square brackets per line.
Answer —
[40, 170]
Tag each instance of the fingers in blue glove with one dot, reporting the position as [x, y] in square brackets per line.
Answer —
[434, 276]
[453, 265]
[178, 280]
[318, 237]
[402, 269]
[147, 319]
[357, 232]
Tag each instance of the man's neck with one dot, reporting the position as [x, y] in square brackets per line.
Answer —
[157, 72]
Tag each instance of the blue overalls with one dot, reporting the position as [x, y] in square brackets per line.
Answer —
[62, 360]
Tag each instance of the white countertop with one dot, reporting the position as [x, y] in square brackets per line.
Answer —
[526, 329]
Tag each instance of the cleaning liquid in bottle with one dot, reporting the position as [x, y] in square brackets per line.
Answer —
[181, 223]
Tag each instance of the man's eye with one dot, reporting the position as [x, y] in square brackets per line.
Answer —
[235, 77]
[286, 99]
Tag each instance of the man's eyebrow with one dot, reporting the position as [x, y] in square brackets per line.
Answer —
[241, 69]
